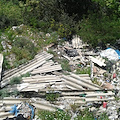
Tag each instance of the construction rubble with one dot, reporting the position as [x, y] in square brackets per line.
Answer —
[97, 89]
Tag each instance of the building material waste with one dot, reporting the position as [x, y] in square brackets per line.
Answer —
[1, 62]
[36, 62]
[92, 80]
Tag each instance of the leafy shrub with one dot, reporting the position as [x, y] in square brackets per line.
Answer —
[23, 48]
[98, 31]
[52, 52]
[10, 14]
[4, 93]
[57, 115]
[10, 34]
[103, 116]
[65, 27]
[52, 39]
[15, 80]
[6, 64]
[65, 65]
[26, 75]
[17, 63]
[52, 96]
[85, 115]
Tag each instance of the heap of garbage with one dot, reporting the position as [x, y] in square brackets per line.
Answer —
[92, 80]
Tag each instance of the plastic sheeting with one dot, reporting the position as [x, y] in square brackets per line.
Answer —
[16, 110]
[111, 54]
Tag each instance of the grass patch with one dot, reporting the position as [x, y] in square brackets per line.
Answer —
[52, 96]
[103, 116]
[95, 81]
[20, 62]
[5, 93]
[26, 75]
[61, 115]
[52, 52]
[65, 65]
[17, 80]
[87, 115]
[117, 98]
[74, 107]
[57, 115]
[83, 71]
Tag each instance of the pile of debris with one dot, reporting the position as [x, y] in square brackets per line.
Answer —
[46, 75]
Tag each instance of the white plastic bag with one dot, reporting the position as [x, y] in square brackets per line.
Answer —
[110, 53]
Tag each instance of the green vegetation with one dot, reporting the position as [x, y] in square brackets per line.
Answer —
[117, 98]
[10, 14]
[83, 70]
[6, 64]
[49, 16]
[52, 96]
[17, 80]
[23, 28]
[5, 93]
[96, 22]
[25, 42]
[98, 30]
[61, 115]
[85, 115]
[52, 52]
[95, 81]
[65, 65]
[103, 116]
[57, 115]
